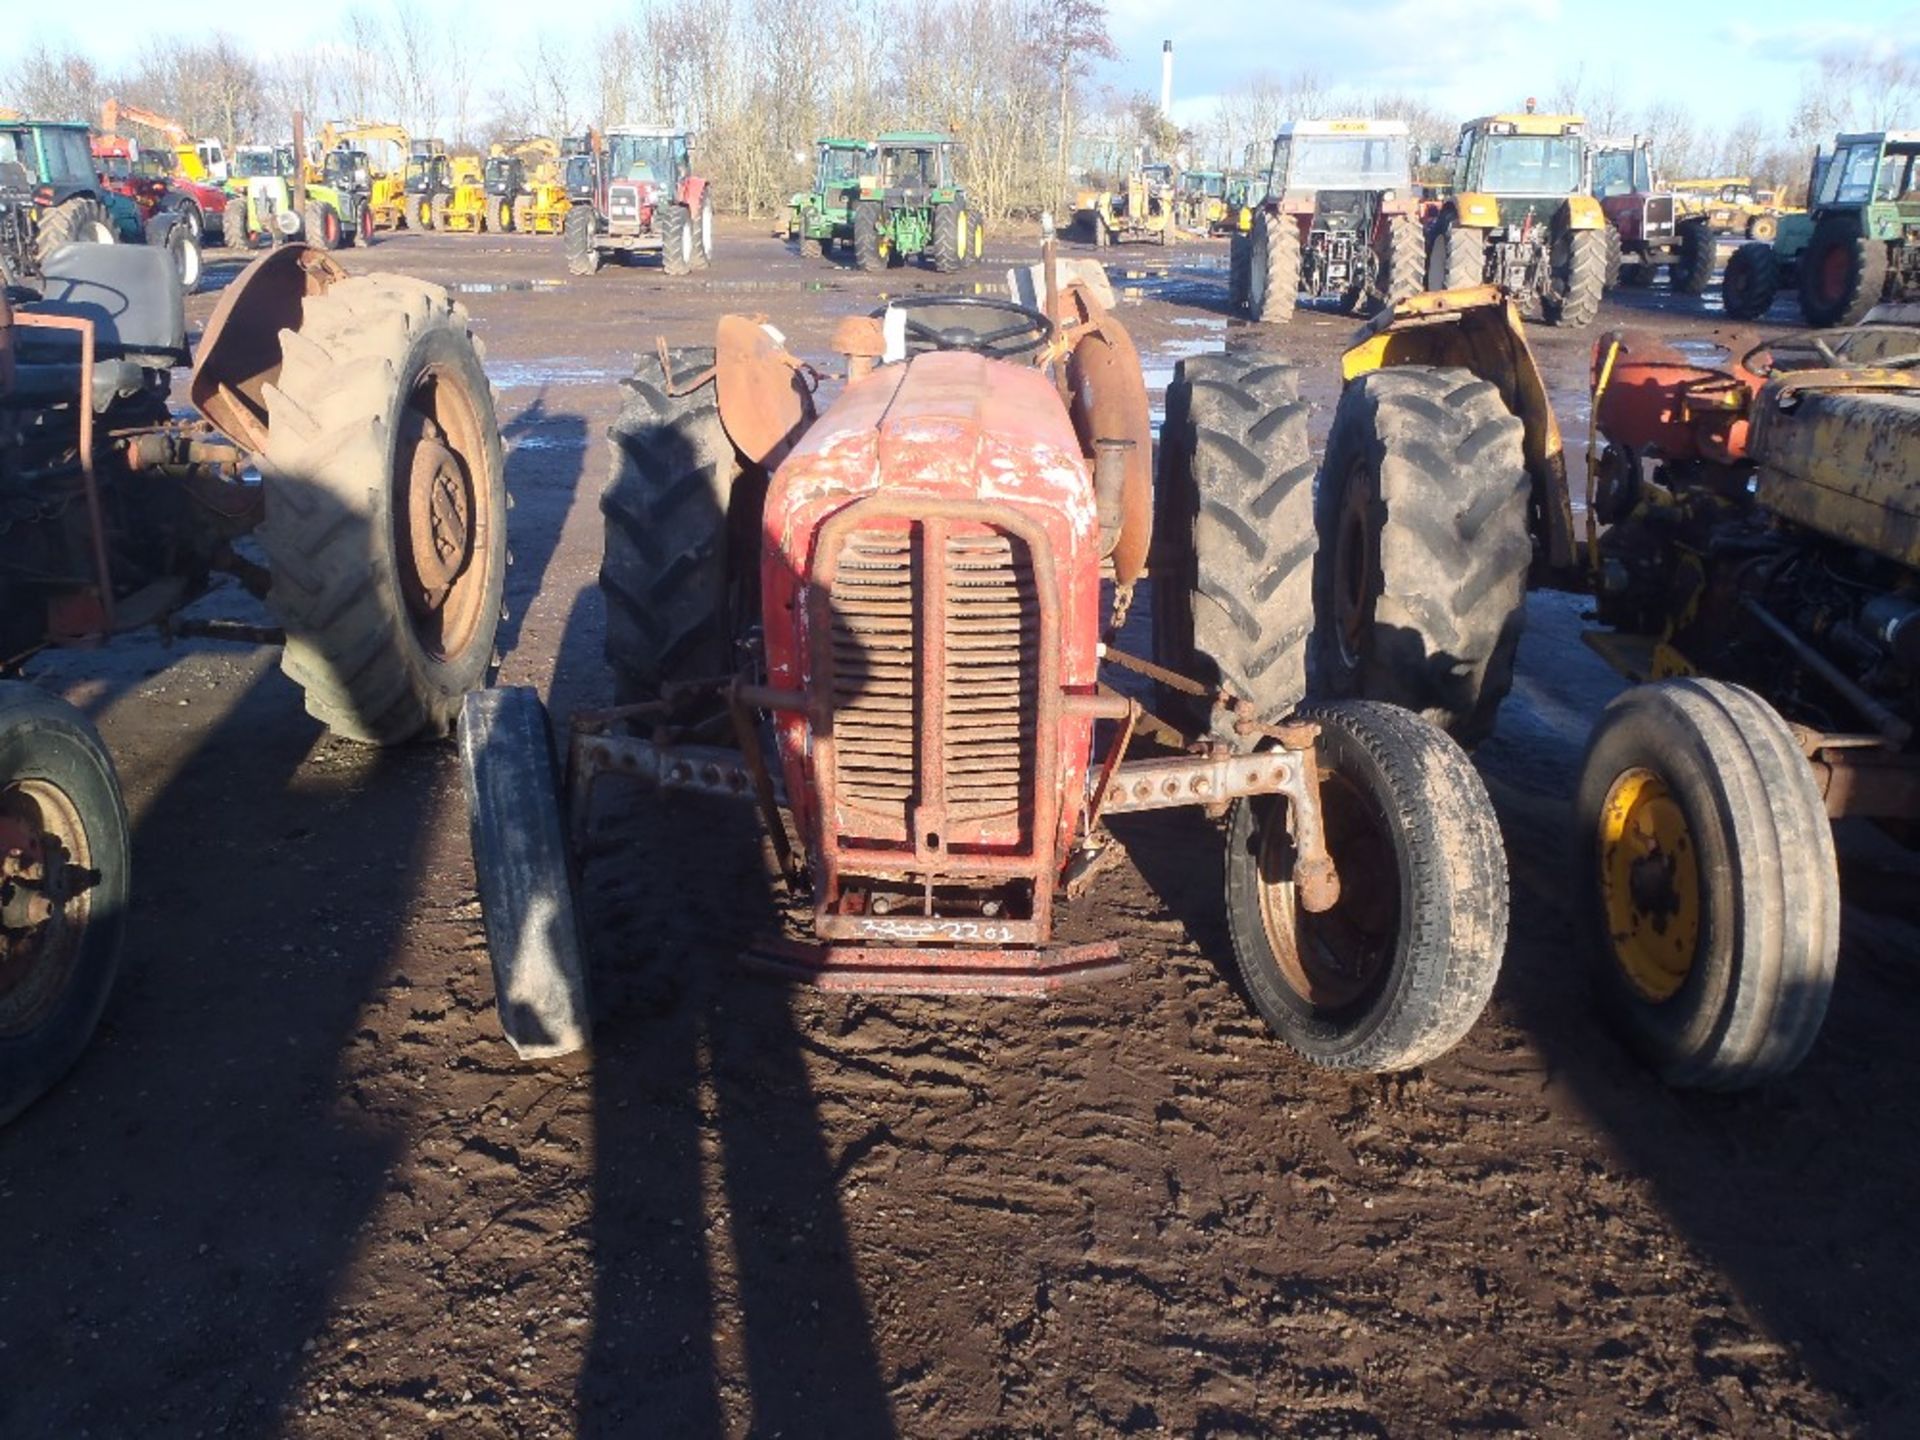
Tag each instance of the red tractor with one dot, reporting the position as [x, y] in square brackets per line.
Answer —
[895, 610]
[643, 197]
[1645, 229]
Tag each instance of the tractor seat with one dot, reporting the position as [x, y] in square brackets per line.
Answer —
[37, 383]
[131, 293]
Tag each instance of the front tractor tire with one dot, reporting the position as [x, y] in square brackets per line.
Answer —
[1421, 509]
[1399, 268]
[702, 232]
[867, 253]
[386, 504]
[576, 238]
[1842, 274]
[676, 239]
[1579, 262]
[1273, 279]
[415, 212]
[1750, 282]
[1709, 881]
[666, 571]
[1235, 503]
[1398, 970]
[64, 856]
[172, 234]
[1692, 273]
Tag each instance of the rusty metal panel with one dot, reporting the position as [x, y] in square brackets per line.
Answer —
[1846, 464]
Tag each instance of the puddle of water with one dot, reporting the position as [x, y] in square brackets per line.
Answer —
[514, 375]
[1702, 352]
[534, 440]
[501, 287]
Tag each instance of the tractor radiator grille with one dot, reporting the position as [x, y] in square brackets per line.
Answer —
[989, 688]
[1659, 213]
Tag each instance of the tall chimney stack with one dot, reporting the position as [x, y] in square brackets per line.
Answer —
[1166, 78]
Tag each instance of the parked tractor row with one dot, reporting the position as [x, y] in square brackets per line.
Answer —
[886, 201]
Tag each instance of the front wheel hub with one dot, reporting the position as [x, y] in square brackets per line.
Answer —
[439, 519]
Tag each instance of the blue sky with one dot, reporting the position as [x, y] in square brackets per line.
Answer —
[1463, 55]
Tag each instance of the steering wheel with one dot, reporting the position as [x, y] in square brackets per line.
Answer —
[1030, 330]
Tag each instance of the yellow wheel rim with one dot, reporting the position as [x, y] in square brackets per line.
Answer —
[1650, 884]
[886, 248]
[979, 241]
[963, 234]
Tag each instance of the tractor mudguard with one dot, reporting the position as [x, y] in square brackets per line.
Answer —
[240, 350]
[1480, 329]
[1583, 212]
[1477, 211]
[766, 393]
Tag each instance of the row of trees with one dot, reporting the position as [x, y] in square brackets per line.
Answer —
[758, 80]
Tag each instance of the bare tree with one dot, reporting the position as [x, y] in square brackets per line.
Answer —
[1069, 35]
[54, 85]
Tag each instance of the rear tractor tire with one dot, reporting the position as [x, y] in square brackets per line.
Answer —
[386, 504]
[1709, 881]
[1421, 509]
[945, 251]
[1842, 274]
[1274, 273]
[676, 239]
[1235, 508]
[79, 221]
[666, 571]
[175, 236]
[1398, 971]
[64, 841]
[1458, 257]
[1400, 266]
[1579, 277]
[523, 216]
[867, 253]
[415, 213]
[702, 229]
[437, 214]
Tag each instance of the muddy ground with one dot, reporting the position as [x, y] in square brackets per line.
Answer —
[300, 1186]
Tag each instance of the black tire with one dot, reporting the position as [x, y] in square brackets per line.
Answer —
[384, 637]
[362, 235]
[57, 783]
[1239, 271]
[810, 247]
[1692, 272]
[866, 236]
[175, 236]
[520, 864]
[1400, 267]
[1273, 277]
[1579, 278]
[523, 215]
[676, 239]
[437, 214]
[79, 221]
[1421, 510]
[576, 238]
[1235, 510]
[1616, 256]
[1750, 281]
[945, 249]
[1697, 788]
[666, 570]
[1458, 257]
[1398, 971]
[702, 229]
[415, 212]
[1842, 273]
[191, 216]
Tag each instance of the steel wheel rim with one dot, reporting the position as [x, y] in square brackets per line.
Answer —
[1333, 959]
[1649, 885]
[1834, 268]
[442, 518]
[41, 830]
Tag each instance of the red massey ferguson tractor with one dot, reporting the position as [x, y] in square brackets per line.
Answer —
[895, 609]
[644, 198]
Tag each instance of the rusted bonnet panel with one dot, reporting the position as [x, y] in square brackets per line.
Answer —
[240, 354]
[1844, 462]
[1658, 400]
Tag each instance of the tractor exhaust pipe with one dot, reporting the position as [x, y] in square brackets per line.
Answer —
[1110, 460]
[1166, 78]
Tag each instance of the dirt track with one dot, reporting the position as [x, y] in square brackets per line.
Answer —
[300, 1186]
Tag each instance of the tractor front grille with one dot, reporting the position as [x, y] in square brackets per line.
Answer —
[1659, 214]
[987, 678]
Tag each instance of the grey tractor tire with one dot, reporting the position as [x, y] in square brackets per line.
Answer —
[1616, 256]
[191, 216]
[666, 570]
[811, 247]
[1400, 271]
[172, 234]
[945, 250]
[1422, 514]
[1235, 511]
[523, 216]
[1580, 279]
[1239, 272]
[866, 237]
[1750, 282]
[676, 239]
[520, 861]
[79, 221]
[576, 238]
[437, 214]
[702, 223]
[1457, 257]
[1692, 272]
[50, 755]
[1444, 905]
[415, 213]
[1751, 1001]
[1274, 273]
[344, 422]
[1842, 273]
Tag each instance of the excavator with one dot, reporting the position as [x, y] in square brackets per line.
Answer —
[386, 147]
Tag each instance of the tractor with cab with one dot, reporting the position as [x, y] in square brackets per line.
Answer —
[633, 192]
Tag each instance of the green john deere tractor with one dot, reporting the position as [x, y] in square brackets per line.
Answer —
[1858, 243]
[820, 218]
[910, 206]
